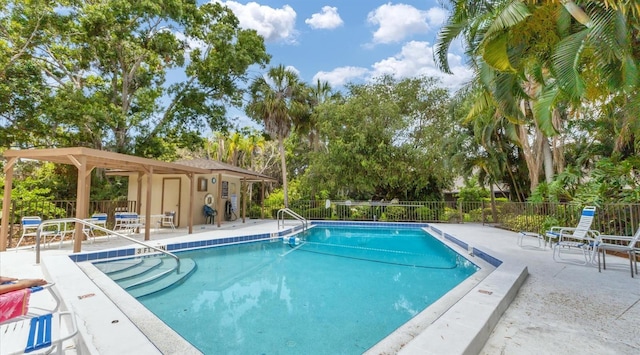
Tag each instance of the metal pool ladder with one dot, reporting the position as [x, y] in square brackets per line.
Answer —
[283, 211]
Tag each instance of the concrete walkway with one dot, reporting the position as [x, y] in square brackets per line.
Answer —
[562, 308]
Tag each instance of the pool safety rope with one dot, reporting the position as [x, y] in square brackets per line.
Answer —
[301, 245]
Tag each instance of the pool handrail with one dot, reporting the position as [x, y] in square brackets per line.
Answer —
[97, 227]
[290, 212]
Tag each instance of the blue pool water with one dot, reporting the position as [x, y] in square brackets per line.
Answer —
[340, 291]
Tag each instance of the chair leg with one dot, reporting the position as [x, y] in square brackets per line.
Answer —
[599, 270]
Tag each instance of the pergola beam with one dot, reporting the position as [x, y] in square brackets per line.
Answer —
[85, 160]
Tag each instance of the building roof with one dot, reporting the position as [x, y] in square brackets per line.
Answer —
[103, 159]
[214, 166]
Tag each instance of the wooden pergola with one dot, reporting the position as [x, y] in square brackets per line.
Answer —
[85, 160]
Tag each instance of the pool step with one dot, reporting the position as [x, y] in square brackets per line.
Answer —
[112, 267]
[144, 276]
[168, 279]
[147, 265]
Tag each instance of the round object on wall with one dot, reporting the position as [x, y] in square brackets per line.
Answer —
[213, 180]
[208, 200]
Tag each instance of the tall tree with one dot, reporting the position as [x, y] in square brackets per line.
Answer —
[107, 62]
[278, 100]
[384, 141]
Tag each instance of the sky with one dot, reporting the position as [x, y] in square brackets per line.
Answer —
[352, 41]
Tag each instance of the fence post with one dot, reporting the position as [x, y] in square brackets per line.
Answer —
[482, 211]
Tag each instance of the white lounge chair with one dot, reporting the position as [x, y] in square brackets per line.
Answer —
[581, 237]
[36, 335]
[623, 244]
[38, 331]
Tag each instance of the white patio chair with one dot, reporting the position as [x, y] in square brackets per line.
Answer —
[167, 220]
[30, 226]
[623, 244]
[100, 220]
[581, 237]
[63, 229]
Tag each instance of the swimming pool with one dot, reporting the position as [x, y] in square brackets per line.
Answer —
[339, 291]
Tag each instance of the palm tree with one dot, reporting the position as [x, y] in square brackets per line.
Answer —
[278, 100]
[318, 95]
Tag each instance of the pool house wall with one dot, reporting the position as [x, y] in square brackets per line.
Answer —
[208, 188]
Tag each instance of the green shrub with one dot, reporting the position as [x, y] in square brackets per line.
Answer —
[450, 215]
[474, 215]
[395, 213]
[343, 211]
[530, 223]
[425, 213]
[255, 211]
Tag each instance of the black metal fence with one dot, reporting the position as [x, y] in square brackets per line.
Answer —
[615, 219]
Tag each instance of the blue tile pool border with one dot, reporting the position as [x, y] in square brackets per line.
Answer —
[218, 242]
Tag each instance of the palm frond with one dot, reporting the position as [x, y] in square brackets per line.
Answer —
[495, 54]
[512, 14]
[448, 33]
[566, 61]
[483, 101]
[544, 107]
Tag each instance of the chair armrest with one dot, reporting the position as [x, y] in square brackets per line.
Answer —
[616, 238]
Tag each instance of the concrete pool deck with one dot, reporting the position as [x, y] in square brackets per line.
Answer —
[560, 307]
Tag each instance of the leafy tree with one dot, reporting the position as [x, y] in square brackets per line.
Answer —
[106, 64]
[278, 100]
[472, 192]
[543, 64]
[384, 140]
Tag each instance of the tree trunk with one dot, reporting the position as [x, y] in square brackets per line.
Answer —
[557, 143]
[283, 163]
[548, 159]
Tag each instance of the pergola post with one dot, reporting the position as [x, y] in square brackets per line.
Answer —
[147, 207]
[219, 205]
[192, 194]
[138, 194]
[243, 194]
[6, 203]
[262, 200]
[81, 200]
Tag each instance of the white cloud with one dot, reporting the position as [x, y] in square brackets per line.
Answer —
[436, 17]
[275, 25]
[327, 19]
[396, 22]
[293, 69]
[341, 76]
[416, 59]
